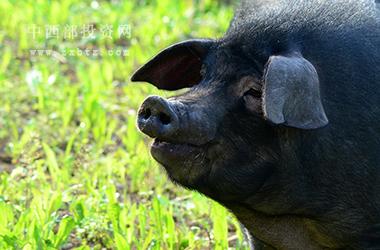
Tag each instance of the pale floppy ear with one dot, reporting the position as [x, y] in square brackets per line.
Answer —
[291, 94]
[178, 66]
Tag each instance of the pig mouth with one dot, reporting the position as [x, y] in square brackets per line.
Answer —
[171, 153]
[185, 164]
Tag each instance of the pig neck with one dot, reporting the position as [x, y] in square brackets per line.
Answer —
[281, 231]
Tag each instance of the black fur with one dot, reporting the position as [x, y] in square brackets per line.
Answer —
[292, 188]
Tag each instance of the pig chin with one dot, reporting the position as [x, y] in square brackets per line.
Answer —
[184, 163]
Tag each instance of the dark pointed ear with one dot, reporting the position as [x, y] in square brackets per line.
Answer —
[178, 66]
[291, 93]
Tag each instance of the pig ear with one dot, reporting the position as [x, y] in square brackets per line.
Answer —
[178, 66]
[291, 93]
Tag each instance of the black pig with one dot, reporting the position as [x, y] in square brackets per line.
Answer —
[281, 122]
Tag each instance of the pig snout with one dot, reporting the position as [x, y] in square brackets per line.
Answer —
[157, 118]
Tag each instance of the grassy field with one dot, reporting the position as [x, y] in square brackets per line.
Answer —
[74, 171]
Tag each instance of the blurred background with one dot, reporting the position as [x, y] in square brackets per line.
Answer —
[74, 171]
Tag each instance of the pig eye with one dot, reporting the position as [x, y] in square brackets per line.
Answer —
[253, 92]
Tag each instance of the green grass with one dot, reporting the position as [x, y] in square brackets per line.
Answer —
[74, 171]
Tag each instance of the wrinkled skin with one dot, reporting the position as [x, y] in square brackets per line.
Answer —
[280, 122]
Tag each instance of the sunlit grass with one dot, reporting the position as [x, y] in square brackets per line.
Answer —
[74, 171]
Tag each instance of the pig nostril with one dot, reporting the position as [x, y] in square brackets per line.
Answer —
[146, 113]
[164, 118]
